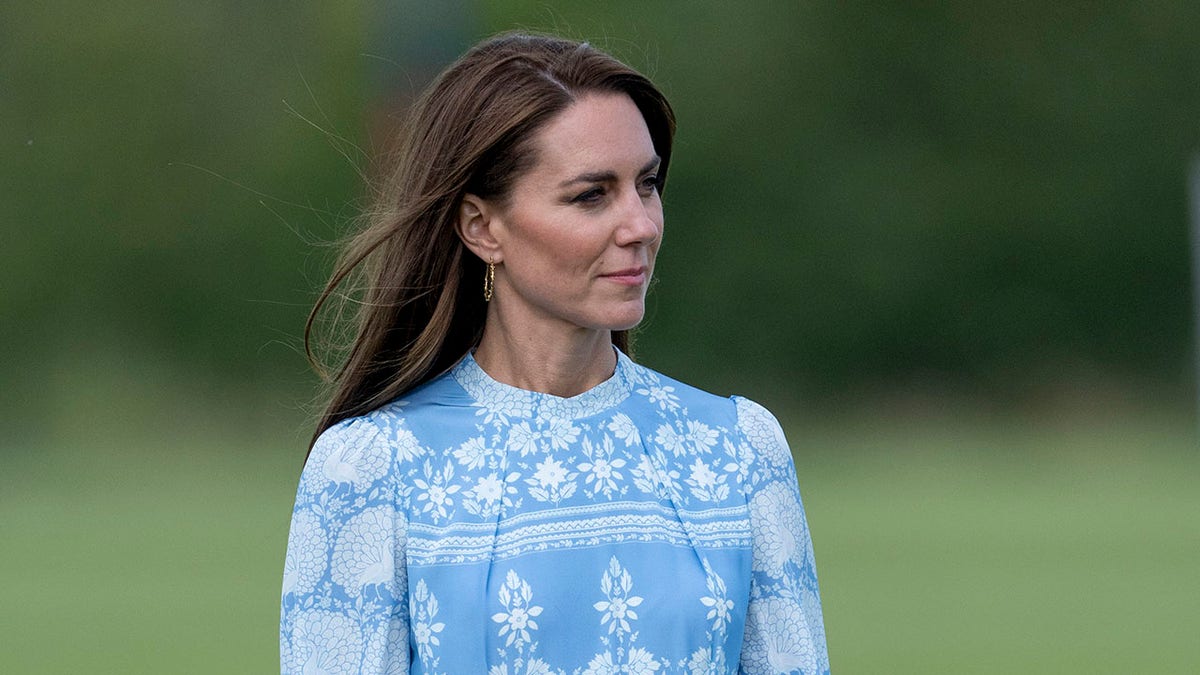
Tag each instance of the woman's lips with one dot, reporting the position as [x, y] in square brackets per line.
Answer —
[632, 276]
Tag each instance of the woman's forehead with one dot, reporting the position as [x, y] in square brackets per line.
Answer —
[597, 133]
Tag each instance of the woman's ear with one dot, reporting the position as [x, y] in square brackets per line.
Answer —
[475, 219]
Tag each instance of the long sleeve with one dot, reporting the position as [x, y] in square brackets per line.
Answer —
[345, 605]
[785, 632]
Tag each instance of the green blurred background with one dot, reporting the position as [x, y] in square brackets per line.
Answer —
[947, 243]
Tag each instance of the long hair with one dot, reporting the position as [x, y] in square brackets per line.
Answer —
[419, 307]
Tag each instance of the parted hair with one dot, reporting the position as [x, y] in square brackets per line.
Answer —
[413, 289]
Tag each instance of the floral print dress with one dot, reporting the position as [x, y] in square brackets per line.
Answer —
[643, 526]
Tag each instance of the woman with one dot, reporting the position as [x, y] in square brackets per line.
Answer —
[496, 487]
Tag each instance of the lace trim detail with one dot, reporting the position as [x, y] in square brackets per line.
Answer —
[717, 528]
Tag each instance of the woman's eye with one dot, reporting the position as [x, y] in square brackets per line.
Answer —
[590, 197]
[649, 184]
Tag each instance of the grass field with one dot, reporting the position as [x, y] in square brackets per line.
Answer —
[972, 549]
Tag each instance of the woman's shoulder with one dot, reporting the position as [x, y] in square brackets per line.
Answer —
[396, 417]
[668, 391]
[384, 433]
[363, 429]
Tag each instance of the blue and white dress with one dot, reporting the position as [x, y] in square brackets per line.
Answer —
[643, 526]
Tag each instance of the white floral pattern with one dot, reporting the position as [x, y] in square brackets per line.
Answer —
[764, 432]
[405, 445]
[305, 561]
[436, 490]
[425, 626]
[523, 440]
[618, 611]
[779, 639]
[603, 533]
[619, 608]
[647, 478]
[623, 428]
[779, 531]
[552, 481]
[363, 555]
[602, 469]
[720, 610]
[706, 485]
[378, 657]
[474, 453]
[361, 464]
[520, 614]
[323, 642]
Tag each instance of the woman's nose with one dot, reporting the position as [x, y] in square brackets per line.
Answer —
[640, 221]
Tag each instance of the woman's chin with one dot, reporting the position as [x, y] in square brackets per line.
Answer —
[627, 320]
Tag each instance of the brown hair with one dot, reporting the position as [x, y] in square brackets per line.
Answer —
[420, 307]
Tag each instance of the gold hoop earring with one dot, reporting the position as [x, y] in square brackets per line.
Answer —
[489, 281]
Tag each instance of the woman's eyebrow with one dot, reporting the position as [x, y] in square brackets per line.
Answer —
[607, 176]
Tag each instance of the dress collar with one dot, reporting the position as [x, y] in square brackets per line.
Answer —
[510, 401]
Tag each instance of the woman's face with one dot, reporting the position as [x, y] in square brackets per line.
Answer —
[582, 227]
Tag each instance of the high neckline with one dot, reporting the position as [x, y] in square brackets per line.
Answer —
[513, 401]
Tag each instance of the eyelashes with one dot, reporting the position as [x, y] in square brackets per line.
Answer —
[591, 196]
[646, 187]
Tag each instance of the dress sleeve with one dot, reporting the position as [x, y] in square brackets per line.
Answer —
[345, 599]
[784, 629]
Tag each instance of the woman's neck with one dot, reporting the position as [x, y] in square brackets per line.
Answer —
[564, 362]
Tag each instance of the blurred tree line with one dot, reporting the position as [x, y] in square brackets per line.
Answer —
[986, 200]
